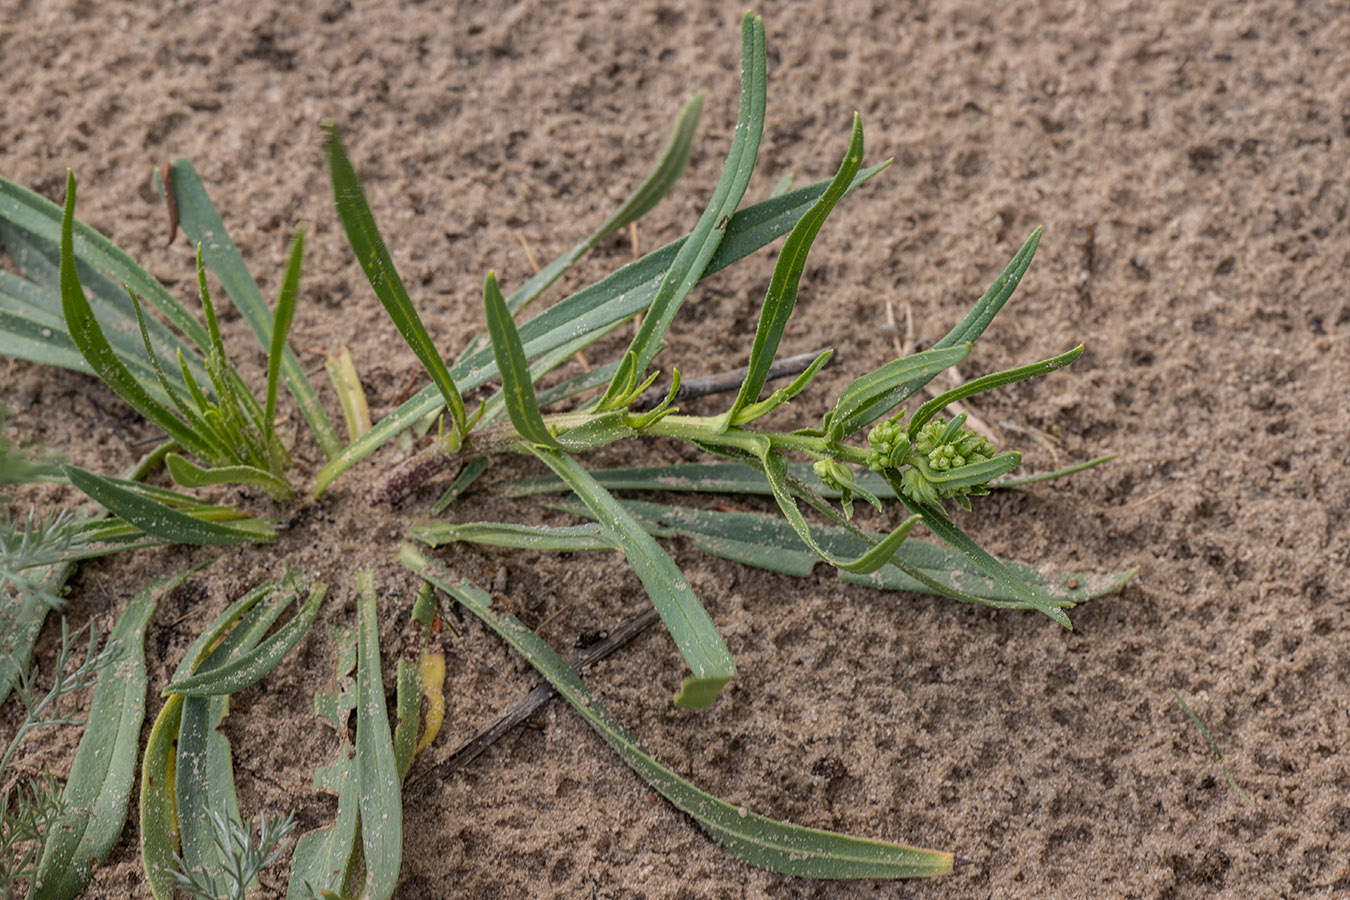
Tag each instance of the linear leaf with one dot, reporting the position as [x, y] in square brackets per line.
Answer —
[687, 268]
[775, 470]
[250, 667]
[188, 474]
[376, 770]
[98, 788]
[684, 616]
[937, 522]
[871, 396]
[327, 859]
[781, 298]
[769, 542]
[276, 352]
[517, 386]
[761, 841]
[581, 318]
[525, 537]
[926, 412]
[42, 218]
[88, 337]
[370, 251]
[158, 809]
[160, 520]
[347, 383]
[203, 766]
[466, 477]
[203, 225]
[639, 203]
[970, 327]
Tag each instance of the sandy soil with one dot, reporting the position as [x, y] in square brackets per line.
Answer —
[1189, 168]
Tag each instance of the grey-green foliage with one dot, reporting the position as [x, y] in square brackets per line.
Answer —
[959, 465]
[30, 806]
[242, 859]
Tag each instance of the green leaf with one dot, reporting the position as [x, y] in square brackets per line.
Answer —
[775, 470]
[203, 766]
[250, 667]
[926, 412]
[871, 396]
[758, 840]
[466, 477]
[370, 251]
[376, 771]
[526, 537]
[695, 253]
[190, 475]
[769, 542]
[937, 522]
[281, 326]
[328, 859]
[684, 616]
[517, 386]
[781, 298]
[573, 323]
[43, 220]
[98, 789]
[33, 327]
[639, 203]
[88, 337]
[203, 225]
[163, 521]
[158, 809]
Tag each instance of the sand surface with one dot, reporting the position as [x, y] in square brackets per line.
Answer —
[1189, 168]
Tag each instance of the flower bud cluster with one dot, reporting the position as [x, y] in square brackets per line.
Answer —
[946, 452]
[887, 445]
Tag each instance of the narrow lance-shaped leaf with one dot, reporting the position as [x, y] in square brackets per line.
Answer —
[695, 253]
[328, 859]
[158, 808]
[578, 320]
[768, 542]
[781, 298]
[639, 203]
[761, 841]
[937, 522]
[775, 470]
[375, 261]
[376, 770]
[204, 767]
[250, 667]
[43, 219]
[517, 387]
[925, 413]
[276, 353]
[556, 538]
[190, 475]
[86, 334]
[965, 332]
[98, 789]
[871, 396]
[160, 520]
[203, 225]
[684, 616]
[347, 383]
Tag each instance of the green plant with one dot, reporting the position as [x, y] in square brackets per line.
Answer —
[68, 308]
[31, 806]
[242, 859]
[923, 461]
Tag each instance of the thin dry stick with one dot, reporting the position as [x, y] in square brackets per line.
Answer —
[492, 732]
[534, 263]
[727, 381]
